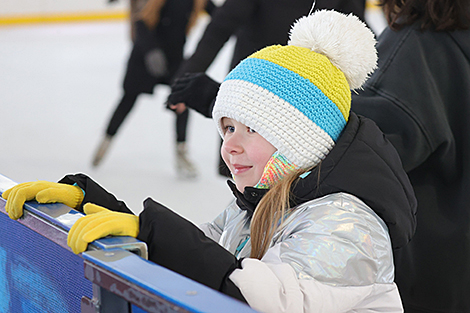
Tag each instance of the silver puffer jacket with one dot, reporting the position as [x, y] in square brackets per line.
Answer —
[320, 239]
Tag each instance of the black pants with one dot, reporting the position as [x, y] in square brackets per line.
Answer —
[125, 106]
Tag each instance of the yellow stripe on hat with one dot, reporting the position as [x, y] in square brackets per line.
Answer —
[315, 67]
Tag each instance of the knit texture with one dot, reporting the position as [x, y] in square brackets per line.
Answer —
[277, 168]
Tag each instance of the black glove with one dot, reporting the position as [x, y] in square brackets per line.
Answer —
[195, 90]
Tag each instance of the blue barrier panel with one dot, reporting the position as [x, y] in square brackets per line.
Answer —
[38, 274]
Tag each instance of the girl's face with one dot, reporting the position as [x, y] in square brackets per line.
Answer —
[245, 152]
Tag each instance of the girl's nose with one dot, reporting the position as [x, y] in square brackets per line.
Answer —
[232, 144]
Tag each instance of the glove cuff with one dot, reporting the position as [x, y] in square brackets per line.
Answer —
[77, 196]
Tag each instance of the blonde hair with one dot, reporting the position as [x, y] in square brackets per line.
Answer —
[150, 13]
[269, 214]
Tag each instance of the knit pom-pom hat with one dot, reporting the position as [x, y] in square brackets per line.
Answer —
[298, 96]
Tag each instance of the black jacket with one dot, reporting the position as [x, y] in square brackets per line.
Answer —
[420, 98]
[256, 24]
[363, 163]
[169, 37]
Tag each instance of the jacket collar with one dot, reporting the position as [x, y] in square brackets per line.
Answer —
[249, 199]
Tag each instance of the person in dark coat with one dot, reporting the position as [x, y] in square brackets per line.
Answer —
[321, 198]
[160, 36]
[420, 98]
[255, 24]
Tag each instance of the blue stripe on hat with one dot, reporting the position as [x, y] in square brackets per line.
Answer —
[293, 88]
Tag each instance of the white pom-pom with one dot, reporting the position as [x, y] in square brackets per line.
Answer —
[344, 39]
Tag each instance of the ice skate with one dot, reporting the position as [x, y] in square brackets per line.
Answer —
[184, 167]
[102, 149]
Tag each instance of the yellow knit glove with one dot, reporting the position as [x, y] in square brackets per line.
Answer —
[43, 192]
[98, 223]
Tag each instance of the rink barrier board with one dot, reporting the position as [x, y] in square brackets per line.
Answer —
[153, 286]
[112, 276]
[45, 18]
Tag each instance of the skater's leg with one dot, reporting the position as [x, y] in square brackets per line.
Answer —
[184, 166]
[122, 110]
[182, 125]
[120, 113]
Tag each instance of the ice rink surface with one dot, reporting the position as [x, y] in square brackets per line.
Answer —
[60, 83]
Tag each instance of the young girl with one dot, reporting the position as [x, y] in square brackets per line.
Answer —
[321, 198]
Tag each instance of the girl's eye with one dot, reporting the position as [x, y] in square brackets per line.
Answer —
[229, 128]
[251, 130]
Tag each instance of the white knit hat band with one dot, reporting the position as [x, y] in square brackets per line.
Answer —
[294, 135]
